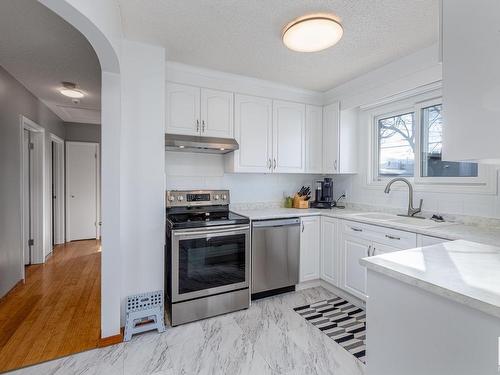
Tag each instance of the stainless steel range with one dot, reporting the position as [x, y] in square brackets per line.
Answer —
[207, 256]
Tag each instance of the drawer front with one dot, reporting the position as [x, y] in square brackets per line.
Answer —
[387, 236]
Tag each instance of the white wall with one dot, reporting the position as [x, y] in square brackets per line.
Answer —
[392, 81]
[206, 171]
[142, 198]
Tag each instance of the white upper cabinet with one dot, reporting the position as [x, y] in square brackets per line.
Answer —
[309, 248]
[195, 111]
[339, 140]
[288, 137]
[471, 80]
[314, 139]
[183, 109]
[253, 132]
[331, 117]
[217, 113]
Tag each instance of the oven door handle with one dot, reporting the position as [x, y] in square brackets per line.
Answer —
[215, 231]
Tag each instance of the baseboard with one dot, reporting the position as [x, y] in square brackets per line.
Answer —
[11, 290]
[111, 340]
[308, 284]
[342, 293]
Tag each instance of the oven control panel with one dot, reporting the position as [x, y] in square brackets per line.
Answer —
[188, 198]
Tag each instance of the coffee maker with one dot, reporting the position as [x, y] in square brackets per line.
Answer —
[323, 194]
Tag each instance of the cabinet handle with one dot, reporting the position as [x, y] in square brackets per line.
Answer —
[356, 229]
[203, 126]
[269, 163]
[368, 251]
[373, 251]
[274, 163]
[197, 126]
[392, 237]
[335, 165]
[302, 227]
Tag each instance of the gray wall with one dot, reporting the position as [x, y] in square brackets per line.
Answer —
[82, 132]
[15, 100]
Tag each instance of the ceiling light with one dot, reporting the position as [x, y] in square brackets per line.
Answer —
[222, 148]
[69, 89]
[312, 33]
[181, 146]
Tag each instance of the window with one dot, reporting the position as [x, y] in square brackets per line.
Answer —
[432, 140]
[396, 135]
[407, 140]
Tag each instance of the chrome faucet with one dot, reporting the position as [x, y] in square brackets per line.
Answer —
[411, 210]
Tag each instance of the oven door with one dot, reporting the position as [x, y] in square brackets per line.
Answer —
[209, 261]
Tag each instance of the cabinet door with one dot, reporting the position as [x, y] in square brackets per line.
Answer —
[217, 113]
[253, 131]
[423, 240]
[309, 248]
[329, 250]
[378, 248]
[288, 137]
[354, 275]
[183, 109]
[314, 139]
[331, 138]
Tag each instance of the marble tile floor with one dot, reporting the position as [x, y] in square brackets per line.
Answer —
[268, 338]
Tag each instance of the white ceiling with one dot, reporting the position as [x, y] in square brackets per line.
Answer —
[244, 36]
[41, 50]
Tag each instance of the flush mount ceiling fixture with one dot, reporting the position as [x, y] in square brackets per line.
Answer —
[69, 89]
[312, 33]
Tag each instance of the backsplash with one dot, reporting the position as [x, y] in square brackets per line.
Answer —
[206, 171]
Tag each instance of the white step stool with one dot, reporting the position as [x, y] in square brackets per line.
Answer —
[142, 308]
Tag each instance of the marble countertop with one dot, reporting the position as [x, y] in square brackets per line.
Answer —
[463, 271]
[447, 230]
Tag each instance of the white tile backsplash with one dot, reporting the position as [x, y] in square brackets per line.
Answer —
[206, 171]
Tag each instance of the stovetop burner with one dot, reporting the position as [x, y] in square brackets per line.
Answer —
[204, 218]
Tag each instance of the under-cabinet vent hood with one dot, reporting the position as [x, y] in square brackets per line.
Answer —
[193, 143]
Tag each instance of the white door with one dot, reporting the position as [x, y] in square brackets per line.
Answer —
[253, 131]
[309, 248]
[183, 109]
[27, 197]
[289, 137]
[329, 251]
[217, 113]
[331, 138]
[354, 278]
[314, 139]
[81, 190]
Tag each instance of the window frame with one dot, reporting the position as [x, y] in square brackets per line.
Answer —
[484, 183]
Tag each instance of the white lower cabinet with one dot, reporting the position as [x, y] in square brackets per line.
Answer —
[363, 240]
[423, 240]
[329, 263]
[354, 275]
[309, 248]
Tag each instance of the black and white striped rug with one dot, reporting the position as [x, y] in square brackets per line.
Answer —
[342, 321]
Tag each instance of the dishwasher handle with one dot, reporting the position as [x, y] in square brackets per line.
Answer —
[275, 223]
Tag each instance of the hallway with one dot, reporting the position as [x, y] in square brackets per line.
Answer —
[56, 311]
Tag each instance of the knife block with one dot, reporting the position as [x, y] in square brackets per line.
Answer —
[299, 202]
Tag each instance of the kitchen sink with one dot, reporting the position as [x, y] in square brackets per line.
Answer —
[416, 222]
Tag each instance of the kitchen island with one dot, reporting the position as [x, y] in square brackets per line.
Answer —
[434, 310]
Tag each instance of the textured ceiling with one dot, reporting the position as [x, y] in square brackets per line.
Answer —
[41, 50]
[244, 36]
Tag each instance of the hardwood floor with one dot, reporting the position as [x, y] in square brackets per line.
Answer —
[56, 311]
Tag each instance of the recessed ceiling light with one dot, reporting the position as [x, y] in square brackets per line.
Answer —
[69, 89]
[312, 33]
[181, 146]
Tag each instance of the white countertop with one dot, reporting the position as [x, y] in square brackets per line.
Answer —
[446, 230]
[463, 271]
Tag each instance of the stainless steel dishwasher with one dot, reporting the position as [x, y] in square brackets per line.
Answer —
[275, 255]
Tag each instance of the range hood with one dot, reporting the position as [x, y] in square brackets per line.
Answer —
[193, 143]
